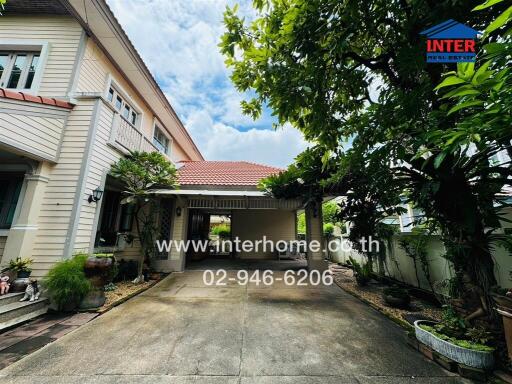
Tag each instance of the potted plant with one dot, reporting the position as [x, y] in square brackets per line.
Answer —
[396, 297]
[502, 297]
[99, 271]
[503, 300]
[66, 283]
[361, 272]
[21, 267]
[451, 338]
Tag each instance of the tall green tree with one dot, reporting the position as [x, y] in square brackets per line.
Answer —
[341, 70]
[140, 172]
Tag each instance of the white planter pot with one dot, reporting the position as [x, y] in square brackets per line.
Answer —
[469, 357]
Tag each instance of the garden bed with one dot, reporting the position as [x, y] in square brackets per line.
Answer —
[372, 294]
[124, 291]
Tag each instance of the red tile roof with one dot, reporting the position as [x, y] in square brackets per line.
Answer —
[229, 173]
[9, 94]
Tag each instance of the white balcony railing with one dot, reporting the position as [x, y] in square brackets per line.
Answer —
[129, 138]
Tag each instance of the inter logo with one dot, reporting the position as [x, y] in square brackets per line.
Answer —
[450, 42]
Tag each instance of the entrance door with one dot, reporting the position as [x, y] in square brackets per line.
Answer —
[198, 230]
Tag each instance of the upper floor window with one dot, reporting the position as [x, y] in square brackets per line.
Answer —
[161, 141]
[122, 106]
[18, 69]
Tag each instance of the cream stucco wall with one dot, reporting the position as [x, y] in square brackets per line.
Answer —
[254, 224]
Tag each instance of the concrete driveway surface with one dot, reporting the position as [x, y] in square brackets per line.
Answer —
[181, 331]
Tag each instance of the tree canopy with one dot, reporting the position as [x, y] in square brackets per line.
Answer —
[355, 72]
[140, 172]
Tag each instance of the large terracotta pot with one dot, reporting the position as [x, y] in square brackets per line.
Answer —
[97, 270]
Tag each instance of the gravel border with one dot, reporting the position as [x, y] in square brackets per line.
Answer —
[372, 295]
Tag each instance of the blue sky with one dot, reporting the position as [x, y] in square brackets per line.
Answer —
[178, 41]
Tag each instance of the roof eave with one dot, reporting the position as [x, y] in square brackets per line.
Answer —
[77, 8]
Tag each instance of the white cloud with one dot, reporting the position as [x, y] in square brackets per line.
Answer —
[179, 45]
[219, 141]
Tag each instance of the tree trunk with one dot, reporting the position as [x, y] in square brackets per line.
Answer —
[139, 278]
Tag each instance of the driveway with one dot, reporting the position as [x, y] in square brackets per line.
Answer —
[181, 331]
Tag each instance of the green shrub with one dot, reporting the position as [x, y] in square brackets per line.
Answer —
[461, 343]
[222, 231]
[328, 230]
[66, 282]
[399, 293]
[20, 265]
[362, 272]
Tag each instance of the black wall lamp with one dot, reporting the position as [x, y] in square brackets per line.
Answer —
[178, 211]
[96, 195]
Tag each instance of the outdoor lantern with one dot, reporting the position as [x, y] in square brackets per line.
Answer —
[178, 211]
[96, 195]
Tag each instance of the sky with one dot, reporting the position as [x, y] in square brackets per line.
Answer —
[179, 44]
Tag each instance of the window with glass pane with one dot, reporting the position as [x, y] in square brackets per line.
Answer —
[18, 69]
[4, 61]
[126, 221]
[9, 194]
[19, 64]
[110, 94]
[31, 71]
[160, 140]
[119, 103]
[126, 111]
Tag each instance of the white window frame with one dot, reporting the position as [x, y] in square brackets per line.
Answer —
[29, 47]
[158, 125]
[126, 100]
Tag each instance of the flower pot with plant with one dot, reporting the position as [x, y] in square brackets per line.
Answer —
[396, 297]
[21, 267]
[503, 299]
[453, 339]
[66, 283]
[362, 272]
[98, 270]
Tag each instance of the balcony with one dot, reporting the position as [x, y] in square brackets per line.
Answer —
[127, 137]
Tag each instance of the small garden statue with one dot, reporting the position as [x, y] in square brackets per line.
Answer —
[32, 291]
[4, 285]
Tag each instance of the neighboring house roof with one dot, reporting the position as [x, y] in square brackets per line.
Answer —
[450, 29]
[9, 94]
[224, 173]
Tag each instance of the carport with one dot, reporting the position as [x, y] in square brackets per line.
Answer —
[230, 188]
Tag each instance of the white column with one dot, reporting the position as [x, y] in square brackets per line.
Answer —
[22, 233]
[314, 237]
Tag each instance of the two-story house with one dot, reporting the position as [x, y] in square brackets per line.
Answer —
[75, 96]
